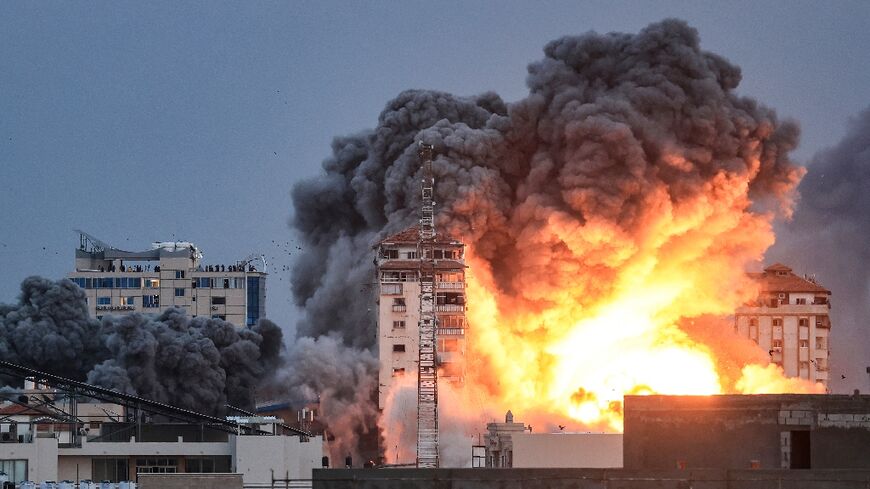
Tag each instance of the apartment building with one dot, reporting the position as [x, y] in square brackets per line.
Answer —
[398, 270]
[170, 274]
[791, 320]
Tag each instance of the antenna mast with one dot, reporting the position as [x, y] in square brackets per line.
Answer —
[427, 374]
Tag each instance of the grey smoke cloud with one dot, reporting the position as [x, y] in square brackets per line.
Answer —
[829, 237]
[194, 363]
[609, 120]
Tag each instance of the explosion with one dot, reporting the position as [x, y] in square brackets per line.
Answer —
[609, 219]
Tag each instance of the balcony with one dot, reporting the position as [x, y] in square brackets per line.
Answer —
[450, 285]
[125, 307]
[398, 308]
[450, 308]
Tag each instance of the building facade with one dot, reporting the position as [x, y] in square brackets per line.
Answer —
[791, 320]
[171, 274]
[398, 271]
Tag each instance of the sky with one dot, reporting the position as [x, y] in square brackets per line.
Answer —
[156, 121]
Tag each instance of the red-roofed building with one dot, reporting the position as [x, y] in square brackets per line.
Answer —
[399, 268]
[791, 320]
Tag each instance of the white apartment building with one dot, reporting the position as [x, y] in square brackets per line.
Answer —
[791, 320]
[398, 270]
[170, 274]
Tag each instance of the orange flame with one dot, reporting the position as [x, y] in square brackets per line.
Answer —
[577, 329]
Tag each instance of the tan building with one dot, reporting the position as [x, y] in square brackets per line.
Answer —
[398, 268]
[170, 274]
[791, 320]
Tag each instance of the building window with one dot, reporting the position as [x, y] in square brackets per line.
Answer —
[226, 283]
[398, 324]
[127, 301]
[254, 291]
[207, 465]
[390, 253]
[104, 301]
[777, 343]
[15, 469]
[150, 301]
[399, 348]
[804, 343]
[804, 365]
[449, 345]
[156, 466]
[777, 321]
[179, 292]
[800, 301]
[803, 322]
[399, 304]
[152, 283]
[753, 321]
[179, 274]
[222, 317]
[412, 255]
[216, 301]
[397, 372]
[820, 343]
[110, 469]
[391, 289]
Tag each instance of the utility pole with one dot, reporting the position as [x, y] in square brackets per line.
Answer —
[427, 373]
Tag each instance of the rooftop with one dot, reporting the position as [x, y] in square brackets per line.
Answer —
[411, 235]
[780, 278]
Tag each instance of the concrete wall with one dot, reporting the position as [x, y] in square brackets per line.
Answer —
[587, 479]
[41, 456]
[258, 457]
[737, 432]
[190, 481]
[559, 450]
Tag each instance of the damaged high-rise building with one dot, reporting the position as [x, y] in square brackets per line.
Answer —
[399, 269]
[791, 320]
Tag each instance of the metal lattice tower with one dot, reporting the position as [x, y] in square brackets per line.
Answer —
[427, 373]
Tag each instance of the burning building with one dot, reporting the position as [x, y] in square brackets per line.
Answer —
[790, 319]
[398, 270]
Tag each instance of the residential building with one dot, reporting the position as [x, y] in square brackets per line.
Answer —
[170, 274]
[58, 429]
[790, 320]
[398, 271]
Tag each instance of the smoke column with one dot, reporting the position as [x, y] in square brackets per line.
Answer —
[830, 238]
[195, 363]
[632, 154]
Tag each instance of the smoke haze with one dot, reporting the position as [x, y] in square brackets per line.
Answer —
[829, 237]
[194, 363]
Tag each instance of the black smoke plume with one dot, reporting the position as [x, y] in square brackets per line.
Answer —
[611, 121]
[195, 363]
[829, 237]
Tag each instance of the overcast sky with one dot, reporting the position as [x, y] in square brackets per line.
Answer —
[145, 121]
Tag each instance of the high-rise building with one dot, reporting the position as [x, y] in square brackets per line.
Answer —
[791, 320]
[170, 274]
[398, 269]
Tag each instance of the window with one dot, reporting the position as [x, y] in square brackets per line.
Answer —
[104, 301]
[226, 283]
[391, 289]
[110, 469]
[777, 321]
[412, 255]
[804, 343]
[399, 304]
[449, 345]
[218, 300]
[399, 348]
[207, 465]
[820, 343]
[777, 343]
[152, 283]
[222, 317]
[397, 372]
[15, 469]
[150, 301]
[156, 466]
[202, 282]
[390, 253]
[398, 324]
[753, 321]
[803, 322]
[127, 301]
[179, 292]
[804, 365]
[253, 301]
[179, 274]
[800, 301]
